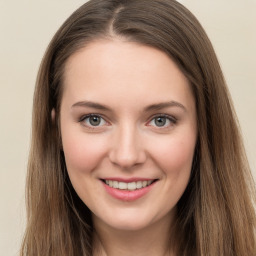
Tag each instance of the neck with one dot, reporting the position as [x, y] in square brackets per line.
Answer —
[150, 241]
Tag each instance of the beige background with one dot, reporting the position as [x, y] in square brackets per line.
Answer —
[26, 27]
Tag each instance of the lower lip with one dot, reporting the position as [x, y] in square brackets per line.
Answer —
[128, 195]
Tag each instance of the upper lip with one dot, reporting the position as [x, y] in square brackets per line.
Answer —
[127, 180]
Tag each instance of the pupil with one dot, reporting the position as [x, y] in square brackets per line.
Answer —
[94, 120]
[160, 121]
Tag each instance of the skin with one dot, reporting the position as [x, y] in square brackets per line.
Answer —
[127, 78]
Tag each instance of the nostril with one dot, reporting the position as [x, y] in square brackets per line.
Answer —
[125, 160]
[127, 157]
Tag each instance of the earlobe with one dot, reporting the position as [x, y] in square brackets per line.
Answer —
[53, 115]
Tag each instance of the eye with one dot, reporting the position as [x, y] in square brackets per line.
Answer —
[162, 121]
[93, 120]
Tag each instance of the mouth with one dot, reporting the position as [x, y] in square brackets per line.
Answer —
[128, 189]
[129, 186]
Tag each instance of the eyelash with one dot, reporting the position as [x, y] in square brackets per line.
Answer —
[83, 119]
[171, 119]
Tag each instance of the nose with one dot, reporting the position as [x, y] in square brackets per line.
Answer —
[127, 148]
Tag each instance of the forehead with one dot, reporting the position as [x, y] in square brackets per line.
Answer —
[114, 69]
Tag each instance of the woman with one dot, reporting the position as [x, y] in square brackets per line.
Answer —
[135, 146]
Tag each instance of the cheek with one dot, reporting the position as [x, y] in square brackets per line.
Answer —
[82, 152]
[175, 160]
[175, 155]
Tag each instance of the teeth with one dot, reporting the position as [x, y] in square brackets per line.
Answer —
[122, 185]
[115, 184]
[128, 186]
[139, 184]
[131, 186]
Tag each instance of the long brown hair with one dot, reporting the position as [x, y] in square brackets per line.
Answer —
[215, 214]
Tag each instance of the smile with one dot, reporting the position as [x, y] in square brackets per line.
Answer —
[128, 185]
[128, 190]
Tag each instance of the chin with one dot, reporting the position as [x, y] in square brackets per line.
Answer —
[130, 220]
[129, 225]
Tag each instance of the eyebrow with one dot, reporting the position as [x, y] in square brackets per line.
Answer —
[91, 104]
[162, 105]
[149, 108]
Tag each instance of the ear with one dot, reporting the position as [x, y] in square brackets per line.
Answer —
[53, 115]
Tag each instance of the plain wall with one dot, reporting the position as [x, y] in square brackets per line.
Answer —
[26, 28]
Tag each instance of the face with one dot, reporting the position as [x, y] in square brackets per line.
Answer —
[128, 126]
